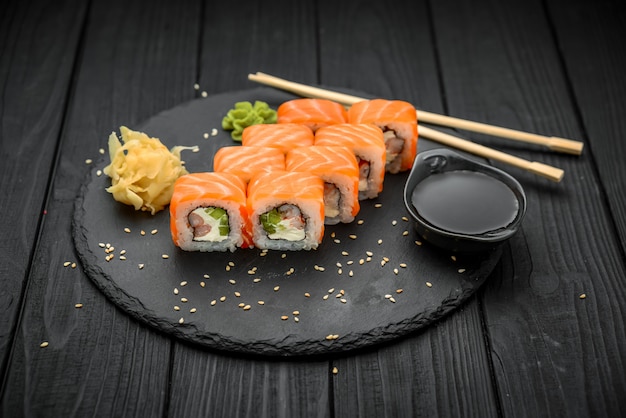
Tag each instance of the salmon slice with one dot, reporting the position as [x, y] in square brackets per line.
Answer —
[339, 169]
[398, 120]
[282, 136]
[314, 113]
[246, 161]
[367, 143]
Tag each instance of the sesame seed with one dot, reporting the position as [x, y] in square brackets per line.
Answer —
[101, 151]
[343, 300]
[369, 253]
[331, 290]
[261, 302]
[223, 298]
[296, 319]
[461, 270]
[429, 284]
[380, 241]
[204, 94]
[352, 236]
[403, 265]
[344, 253]
[232, 281]
[350, 262]
[361, 261]
[78, 305]
[399, 291]
[43, 344]
[284, 317]
[368, 259]
[142, 232]
[241, 305]
[335, 370]
[332, 234]
[251, 272]
[337, 241]
[183, 283]
[213, 302]
[339, 271]
[276, 288]
[206, 276]
[405, 219]
[184, 300]
[453, 257]
[237, 294]
[206, 135]
[202, 284]
[98, 173]
[387, 296]
[307, 295]
[582, 296]
[418, 242]
[227, 268]
[122, 257]
[181, 320]
[283, 255]
[232, 264]
[175, 291]
[88, 161]
[405, 233]
[247, 307]
[360, 222]
[165, 256]
[214, 132]
[101, 244]
[296, 312]
[395, 271]
[122, 252]
[67, 263]
[141, 266]
[127, 230]
[350, 273]
[176, 308]
[325, 297]
[394, 222]
[154, 231]
[382, 263]
[391, 299]
[192, 310]
[196, 86]
[378, 205]
[256, 280]
[73, 265]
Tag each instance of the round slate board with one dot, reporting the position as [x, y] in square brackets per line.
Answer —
[369, 282]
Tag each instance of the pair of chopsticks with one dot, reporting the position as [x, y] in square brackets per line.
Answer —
[553, 143]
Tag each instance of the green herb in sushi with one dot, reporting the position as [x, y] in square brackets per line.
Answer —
[246, 114]
[270, 221]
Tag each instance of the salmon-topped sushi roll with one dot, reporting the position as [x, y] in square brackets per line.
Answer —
[282, 136]
[245, 162]
[368, 145]
[286, 210]
[208, 212]
[398, 120]
[314, 113]
[339, 169]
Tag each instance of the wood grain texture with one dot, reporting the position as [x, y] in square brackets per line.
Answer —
[595, 63]
[567, 246]
[31, 114]
[134, 62]
[389, 52]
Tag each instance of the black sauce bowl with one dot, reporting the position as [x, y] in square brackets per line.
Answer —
[445, 160]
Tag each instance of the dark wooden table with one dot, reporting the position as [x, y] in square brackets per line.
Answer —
[527, 344]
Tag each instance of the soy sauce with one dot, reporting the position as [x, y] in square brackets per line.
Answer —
[466, 202]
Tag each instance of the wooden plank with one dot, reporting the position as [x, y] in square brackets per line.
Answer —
[554, 353]
[136, 59]
[590, 38]
[389, 52]
[214, 384]
[32, 37]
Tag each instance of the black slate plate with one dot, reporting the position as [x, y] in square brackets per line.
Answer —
[357, 308]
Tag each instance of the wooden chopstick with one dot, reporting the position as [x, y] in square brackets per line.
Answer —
[544, 170]
[551, 142]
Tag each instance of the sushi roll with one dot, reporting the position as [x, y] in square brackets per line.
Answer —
[208, 212]
[286, 210]
[282, 136]
[314, 113]
[244, 162]
[398, 120]
[339, 169]
[367, 143]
